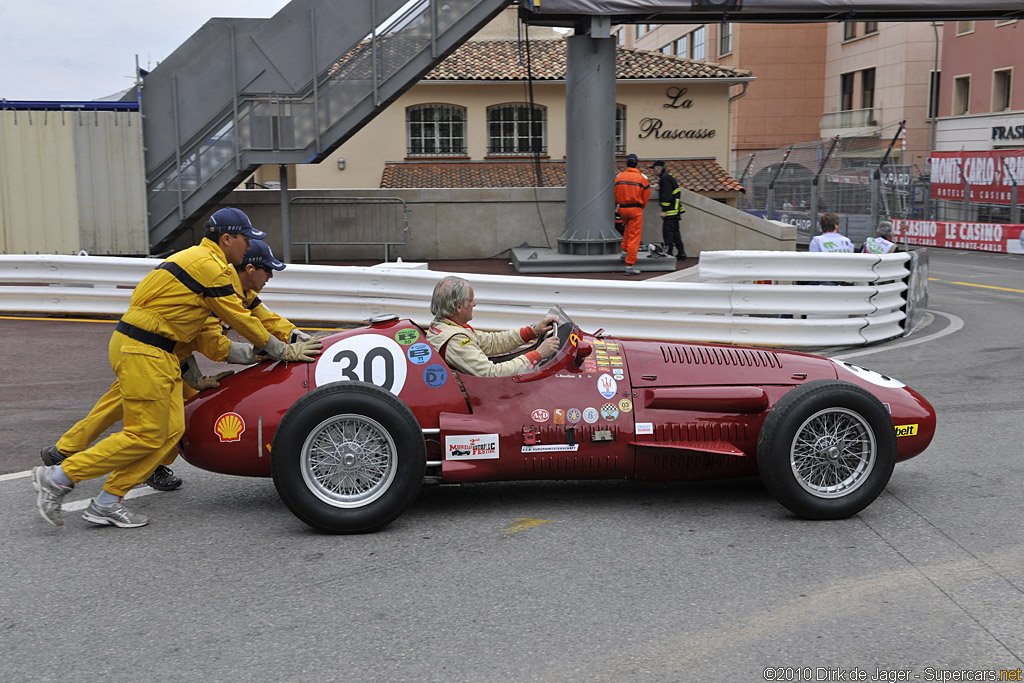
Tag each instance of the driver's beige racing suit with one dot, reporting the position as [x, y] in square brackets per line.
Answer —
[466, 350]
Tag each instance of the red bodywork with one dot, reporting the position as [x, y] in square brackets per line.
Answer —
[601, 408]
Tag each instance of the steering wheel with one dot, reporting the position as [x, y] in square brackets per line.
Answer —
[563, 331]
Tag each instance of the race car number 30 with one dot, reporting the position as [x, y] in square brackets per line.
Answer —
[366, 358]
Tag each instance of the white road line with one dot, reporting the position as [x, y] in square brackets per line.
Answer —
[955, 324]
[82, 504]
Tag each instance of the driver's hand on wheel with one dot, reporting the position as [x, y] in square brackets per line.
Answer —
[548, 347]
[543, 326]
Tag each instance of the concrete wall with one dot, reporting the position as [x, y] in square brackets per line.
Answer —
[486, 223]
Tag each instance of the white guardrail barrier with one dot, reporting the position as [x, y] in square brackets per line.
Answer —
[726, 307]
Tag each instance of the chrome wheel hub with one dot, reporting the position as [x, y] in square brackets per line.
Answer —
[833, 453]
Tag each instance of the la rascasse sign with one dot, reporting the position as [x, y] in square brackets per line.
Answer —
[656, 128]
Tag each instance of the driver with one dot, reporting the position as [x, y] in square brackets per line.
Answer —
[465, 349]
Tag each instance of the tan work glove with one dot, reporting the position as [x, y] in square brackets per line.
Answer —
[298, 335]
[305, 352]
[241, 353]
[197, 380]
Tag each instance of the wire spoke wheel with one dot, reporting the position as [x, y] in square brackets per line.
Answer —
[348, 460]
[833, 453]
[826, 449]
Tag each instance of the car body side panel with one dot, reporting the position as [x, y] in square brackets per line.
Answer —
[574, 424]
[230, 429]
[700, 407]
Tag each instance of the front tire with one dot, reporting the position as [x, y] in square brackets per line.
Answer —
[348, 457]
[827, 449]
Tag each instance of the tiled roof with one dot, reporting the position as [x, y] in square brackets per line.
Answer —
[505, 60]
[698, 175]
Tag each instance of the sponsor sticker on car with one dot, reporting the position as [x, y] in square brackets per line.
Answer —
[607, 385]
[229, 427]
[906, 430]
[471, 447]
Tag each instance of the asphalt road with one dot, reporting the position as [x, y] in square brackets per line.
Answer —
[604, 581]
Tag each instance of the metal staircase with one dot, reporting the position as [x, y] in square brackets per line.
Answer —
[290, 89]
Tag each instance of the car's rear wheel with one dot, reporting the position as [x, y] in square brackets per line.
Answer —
[348, 457]
[827, 449]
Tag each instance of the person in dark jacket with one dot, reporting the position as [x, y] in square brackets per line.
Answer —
[671, 209]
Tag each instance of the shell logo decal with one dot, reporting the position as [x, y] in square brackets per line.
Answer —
[229, 427]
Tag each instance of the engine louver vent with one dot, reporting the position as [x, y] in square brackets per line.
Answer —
[715, 355]
[733, 432]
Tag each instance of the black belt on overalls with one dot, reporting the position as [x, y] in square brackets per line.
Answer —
[631, 206]
[145, 336]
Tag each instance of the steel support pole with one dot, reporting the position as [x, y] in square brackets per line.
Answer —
[814, 205]
[1014, 205]
[876, 193]
[590, 145]
[286, 217]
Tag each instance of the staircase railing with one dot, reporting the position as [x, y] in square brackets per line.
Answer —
[234, 97]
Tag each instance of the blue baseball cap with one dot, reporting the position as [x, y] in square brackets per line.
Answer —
[632, 157]
[233, 222]
[259, 254]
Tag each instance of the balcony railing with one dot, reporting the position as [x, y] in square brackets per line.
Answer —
[853, 118]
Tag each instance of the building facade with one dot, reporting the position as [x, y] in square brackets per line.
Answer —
[493, 114]
[980, 104]
[818, 81]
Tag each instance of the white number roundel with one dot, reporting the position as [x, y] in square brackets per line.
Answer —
[369, 358]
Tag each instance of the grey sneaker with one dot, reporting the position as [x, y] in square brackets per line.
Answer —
[51, 456]
[163, 479]
[50, 495]
[622, 255]
[115, 514]
[632, 270]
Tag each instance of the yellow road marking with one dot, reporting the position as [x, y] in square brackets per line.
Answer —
[97, 320]
[1004, 289]
[56, 320]
[525, 523]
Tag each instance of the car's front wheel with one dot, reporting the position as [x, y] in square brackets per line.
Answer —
[827, 449]
[348, 457]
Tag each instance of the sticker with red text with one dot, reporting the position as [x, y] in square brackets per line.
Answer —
[471, 447]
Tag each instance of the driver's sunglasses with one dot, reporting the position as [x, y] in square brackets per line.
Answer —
[266, 269]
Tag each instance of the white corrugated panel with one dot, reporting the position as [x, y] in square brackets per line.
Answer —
[111, 187]
[38, 193]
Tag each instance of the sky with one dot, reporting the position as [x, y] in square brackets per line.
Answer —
[76, 50]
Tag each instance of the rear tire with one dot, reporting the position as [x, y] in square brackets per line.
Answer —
[348, 457]
[827, 449]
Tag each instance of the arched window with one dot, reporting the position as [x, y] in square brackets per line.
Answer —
[512, 131]
[436, 130]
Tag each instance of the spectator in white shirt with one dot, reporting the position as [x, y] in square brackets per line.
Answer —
[830, 239]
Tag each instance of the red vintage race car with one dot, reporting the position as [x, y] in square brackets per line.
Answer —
[350, 438]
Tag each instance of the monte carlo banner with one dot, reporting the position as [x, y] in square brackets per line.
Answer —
[990, 175]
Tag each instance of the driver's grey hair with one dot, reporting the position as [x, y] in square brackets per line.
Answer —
[884, 229]
[449, 292]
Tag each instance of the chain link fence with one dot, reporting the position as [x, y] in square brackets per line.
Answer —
[847, 176]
